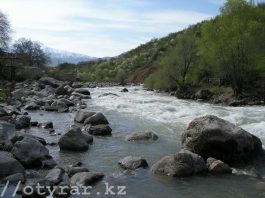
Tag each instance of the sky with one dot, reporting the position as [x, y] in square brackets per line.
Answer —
[101, 28]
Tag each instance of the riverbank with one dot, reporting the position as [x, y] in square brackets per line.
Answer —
[129, 111]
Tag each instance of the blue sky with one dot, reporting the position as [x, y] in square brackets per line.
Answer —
[103, 27]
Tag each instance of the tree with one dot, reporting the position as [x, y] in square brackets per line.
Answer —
[235, 42]
[5, 31]
[176, 66]
[30, 53]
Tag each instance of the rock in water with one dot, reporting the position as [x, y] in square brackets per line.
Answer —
[217, 166]
[210, 136]
[82, 91]
[86, 178]
[30, 152]
[9, 165]
[23, 122]
[81, 116]
[182, 164]
[55, 176]
[75, 140]
[142, 136]
[96, 119]
[133, 163]
[99, 130]
[7, 131]
[124, 90]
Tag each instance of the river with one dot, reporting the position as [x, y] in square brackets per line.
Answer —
[141, 110]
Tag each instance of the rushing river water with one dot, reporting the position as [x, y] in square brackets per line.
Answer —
[140, 110]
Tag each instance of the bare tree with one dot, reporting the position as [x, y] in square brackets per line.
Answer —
[5, 31]
[30, 53]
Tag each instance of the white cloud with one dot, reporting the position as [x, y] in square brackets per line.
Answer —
[85, 26]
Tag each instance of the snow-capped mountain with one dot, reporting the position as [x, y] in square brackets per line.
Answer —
[60, 56]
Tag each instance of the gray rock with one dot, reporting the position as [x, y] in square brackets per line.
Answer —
[71, 170]
[30, 152]
[55, 176]
[218, 167]
[203, 94]
[182, 164]
[50, 81]
[82, 91]
[23, 122]
[32, 106]
[142, 136]
[67, 102]
[18, 93]
[61, 90]
[133, 163]
[210, 136]
[60, 106]
[108, 94]
[98, 130]
[7, 131]
[46, 125]
[75, 140]
[86, 178]
[9, 165]
[2, 112]
[124, 90]
[20, 135]
[15, 178]
[49, 163]
[12, 110]
[96, 119]
[47, 91]
[81, 96]
[81, 116]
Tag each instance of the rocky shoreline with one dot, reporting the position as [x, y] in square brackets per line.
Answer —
[210, 145]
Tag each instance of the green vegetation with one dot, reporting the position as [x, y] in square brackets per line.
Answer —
[230, 47]
[4, 93]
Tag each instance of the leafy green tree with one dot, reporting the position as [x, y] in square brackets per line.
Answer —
[177, 64]
[234, 40]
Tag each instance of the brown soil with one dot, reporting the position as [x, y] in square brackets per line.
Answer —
[140, 75]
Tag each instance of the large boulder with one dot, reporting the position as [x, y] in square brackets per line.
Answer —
[96, 119]
[23, 122]
[142, 136]
[98, 130]
[7, 131]
[50, 81]
[75, 140]
[81, 116]
[30, 152]
[182, 164]
[133, 163]
[85, 178]
[9, 165]
[210, 136]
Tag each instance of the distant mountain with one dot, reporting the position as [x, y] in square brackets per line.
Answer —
[60, 56]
